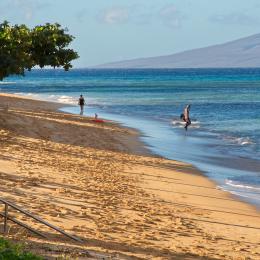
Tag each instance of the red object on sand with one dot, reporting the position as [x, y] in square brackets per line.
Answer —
[98, 120]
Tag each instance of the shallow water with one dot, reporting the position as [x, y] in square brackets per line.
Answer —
[224, 138]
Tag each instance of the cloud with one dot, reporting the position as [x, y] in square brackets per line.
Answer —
[24, 8]
[234, 19]
[139, 14]
[170, 16]
[114, 15]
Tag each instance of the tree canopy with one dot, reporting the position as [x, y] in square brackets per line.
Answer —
[22, 48]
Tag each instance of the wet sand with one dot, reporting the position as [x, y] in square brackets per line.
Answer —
[99, 183]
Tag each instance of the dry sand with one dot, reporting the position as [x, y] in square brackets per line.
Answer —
[98, 182]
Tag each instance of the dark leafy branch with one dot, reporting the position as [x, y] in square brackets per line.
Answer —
[22, 48]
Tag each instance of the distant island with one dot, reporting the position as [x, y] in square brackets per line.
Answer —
[241, 53]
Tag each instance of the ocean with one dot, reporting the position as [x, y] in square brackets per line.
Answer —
[223, 140]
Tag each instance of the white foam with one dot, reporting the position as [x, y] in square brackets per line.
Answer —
[244, 141]
[239, 140]
[241, 194]
[241, 186]
[181, 124]
[7, 82]
[54, 98]
[66, 100]
[31, 95]
[246, 193]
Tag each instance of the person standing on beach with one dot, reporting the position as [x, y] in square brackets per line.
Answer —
[186, 116]
[81, 104]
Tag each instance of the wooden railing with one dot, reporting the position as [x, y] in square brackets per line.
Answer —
[6, 217]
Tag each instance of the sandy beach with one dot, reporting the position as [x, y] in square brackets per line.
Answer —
[99, 183]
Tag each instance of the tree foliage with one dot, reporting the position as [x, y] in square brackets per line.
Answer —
[22, 48]
[12, 251]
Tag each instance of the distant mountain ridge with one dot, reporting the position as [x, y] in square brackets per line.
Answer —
[244, 52]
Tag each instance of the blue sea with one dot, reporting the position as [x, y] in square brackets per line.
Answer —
[223, 140]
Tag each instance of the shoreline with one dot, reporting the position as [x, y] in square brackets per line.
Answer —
[153, 202]
[206, 163]
[139, 146]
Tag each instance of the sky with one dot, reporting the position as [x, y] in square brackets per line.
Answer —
[113, 30]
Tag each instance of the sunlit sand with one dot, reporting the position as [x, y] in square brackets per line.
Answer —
[99, 183]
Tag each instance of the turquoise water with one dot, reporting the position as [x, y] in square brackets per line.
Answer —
[223, 140]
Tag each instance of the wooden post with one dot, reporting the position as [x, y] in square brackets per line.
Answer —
[5, 218]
